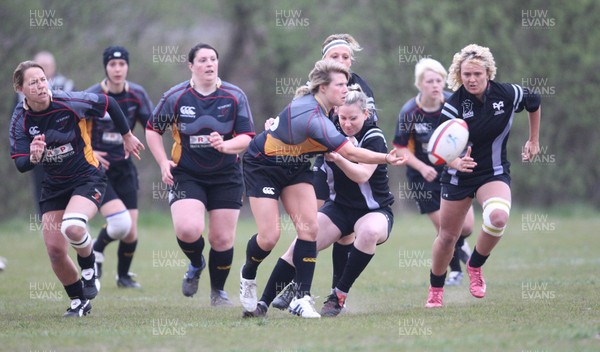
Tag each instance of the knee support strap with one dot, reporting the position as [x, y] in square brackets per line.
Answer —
[75, 219]
[494, 203]
[118, 225]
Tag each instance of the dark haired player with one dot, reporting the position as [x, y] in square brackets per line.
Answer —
[120, 206]
[52, 128]
[211, 123]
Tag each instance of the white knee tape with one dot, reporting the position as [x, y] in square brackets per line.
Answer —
[494, 203]
[76, 219]
[118, 225]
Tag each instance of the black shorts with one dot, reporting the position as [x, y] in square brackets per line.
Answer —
[425, 194]
[320, 179]
[345, 218]
[267, 181]
[216, 191]
[122, 183]
[57, 197]
[320, 184]
[460, 192]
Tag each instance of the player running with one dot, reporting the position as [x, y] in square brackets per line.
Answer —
[211, 124]
[120, 204]
[417, 120]
[483, 172]
[52, 128]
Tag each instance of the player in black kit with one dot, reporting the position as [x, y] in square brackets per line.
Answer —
[119, 206]
[211, 124]
[417, 120]
[483, 172]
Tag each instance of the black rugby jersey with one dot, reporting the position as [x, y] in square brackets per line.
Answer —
[413, 130]
[68, 155]
[136, 106]
[489, 124]
[373, 194]
[356, 79]
[301, 130]
[193, 117]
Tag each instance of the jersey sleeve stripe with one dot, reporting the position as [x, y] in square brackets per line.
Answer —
[452, 110]
[518, 96]
[448, 114]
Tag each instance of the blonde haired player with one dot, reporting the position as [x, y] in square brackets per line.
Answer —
[483, 172]
[417, 120]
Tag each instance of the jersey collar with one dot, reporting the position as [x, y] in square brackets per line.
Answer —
[104, 86]
[321, 105]
[218, 84]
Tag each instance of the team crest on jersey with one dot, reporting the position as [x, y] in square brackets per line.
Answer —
[187, 111]
[34, 130]
[498, 106]
[224, 110]
[467, 106]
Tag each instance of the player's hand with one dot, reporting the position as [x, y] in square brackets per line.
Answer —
[100, 156]
[132, 145]
[217, 142]
[530, 150]
[36, 148]
[396, 157]
[464, 164]
[165, 171]
[332, 157]
[270, 121]
[428, 173]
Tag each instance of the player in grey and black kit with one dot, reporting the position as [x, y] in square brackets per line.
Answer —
[277, 165]
[211, 124]
[52, 128]
[417, 120]
[483, 172]
[340, 47]
[360, 203]
[120, 206]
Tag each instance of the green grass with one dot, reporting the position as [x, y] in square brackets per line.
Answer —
[543, 295]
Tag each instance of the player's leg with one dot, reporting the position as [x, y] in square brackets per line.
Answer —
[284, 270]
[125, 181]
[222, 225]
[266, 216]
[188, 222]
[280, 287]
[299, 201]
[371, 229]
[452, 215]
[64, 268]
[118, 225]
[126, 252]
[495, 199]
[74, 230]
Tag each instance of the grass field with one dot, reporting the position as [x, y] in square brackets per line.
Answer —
[543, 295]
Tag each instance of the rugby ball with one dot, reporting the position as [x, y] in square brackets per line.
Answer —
[448, 141]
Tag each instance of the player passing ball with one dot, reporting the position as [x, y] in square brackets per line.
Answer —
[483, 173]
